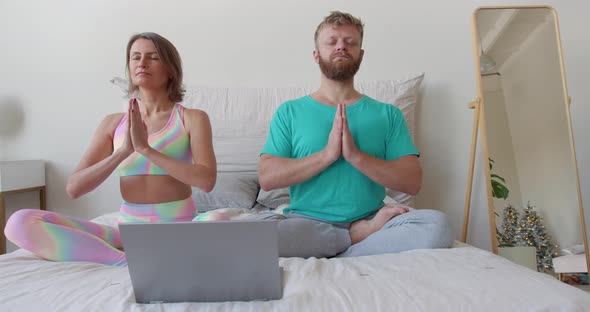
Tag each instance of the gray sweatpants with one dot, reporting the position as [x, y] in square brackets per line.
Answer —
[302, 236]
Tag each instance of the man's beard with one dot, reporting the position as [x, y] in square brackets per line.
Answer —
[339, 71]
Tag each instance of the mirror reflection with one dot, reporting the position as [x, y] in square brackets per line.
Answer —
[533, 176]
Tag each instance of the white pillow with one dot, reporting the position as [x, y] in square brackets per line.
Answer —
[274, 198]
[240, 118]
[235, 190]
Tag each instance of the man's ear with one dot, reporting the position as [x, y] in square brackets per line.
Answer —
[362, 54]
[316, 56]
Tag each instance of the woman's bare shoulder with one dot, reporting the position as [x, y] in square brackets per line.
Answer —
[114, 118]
[195, 112]
[110, 122]
[196, 120]
[194, 115]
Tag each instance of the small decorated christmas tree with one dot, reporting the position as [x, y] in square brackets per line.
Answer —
[531, 232]
[507, 236]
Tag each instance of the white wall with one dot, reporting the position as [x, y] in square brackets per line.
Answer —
[57, 58]
[499, 139]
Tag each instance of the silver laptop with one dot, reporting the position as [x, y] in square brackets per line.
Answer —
[203, 261]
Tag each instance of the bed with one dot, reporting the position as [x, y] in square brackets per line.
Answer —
[462, 278]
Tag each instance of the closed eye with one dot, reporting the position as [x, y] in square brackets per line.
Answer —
[351, 41]
[151, 55]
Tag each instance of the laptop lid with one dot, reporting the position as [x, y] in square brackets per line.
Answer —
[203, 261]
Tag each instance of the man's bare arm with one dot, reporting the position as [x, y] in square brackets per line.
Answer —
[277, 172]
[403, 174]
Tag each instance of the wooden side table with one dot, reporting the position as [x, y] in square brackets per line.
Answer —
[18, 177]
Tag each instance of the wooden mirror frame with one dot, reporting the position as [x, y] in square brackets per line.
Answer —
[480, 124]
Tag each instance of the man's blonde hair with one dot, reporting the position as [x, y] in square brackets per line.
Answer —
[337, 18]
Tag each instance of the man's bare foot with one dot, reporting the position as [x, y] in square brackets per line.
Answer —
[361, 229]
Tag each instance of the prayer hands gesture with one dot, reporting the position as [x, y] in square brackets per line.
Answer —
[136, 137]
[340, 140]
[137, 128]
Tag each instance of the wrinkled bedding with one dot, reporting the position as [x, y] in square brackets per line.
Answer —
[462, 278]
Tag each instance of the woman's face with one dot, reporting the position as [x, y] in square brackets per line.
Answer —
[145, 67]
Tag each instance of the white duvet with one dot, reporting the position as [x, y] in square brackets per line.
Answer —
[462, 278]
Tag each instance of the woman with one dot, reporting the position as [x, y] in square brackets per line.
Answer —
[160, 149]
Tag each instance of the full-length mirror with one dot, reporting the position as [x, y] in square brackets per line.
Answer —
[524, 119]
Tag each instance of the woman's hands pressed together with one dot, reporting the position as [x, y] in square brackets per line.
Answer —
[137, 136]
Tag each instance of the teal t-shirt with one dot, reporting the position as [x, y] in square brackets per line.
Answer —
[340, 193]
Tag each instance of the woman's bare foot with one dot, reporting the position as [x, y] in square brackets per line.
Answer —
[361, 229]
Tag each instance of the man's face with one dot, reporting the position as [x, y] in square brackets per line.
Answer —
[339, 52]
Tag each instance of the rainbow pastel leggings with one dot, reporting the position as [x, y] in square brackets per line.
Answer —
[57, 237]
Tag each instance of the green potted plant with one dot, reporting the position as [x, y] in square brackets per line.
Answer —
[499, 190]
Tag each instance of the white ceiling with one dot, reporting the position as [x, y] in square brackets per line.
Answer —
[504, 31]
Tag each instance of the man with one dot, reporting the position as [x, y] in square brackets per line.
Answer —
[337, 150]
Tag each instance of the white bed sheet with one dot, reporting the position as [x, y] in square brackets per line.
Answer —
[462, 278]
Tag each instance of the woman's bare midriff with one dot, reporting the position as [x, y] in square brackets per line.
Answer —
[152, 189]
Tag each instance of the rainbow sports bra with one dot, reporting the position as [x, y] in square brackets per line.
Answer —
[172, 140]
